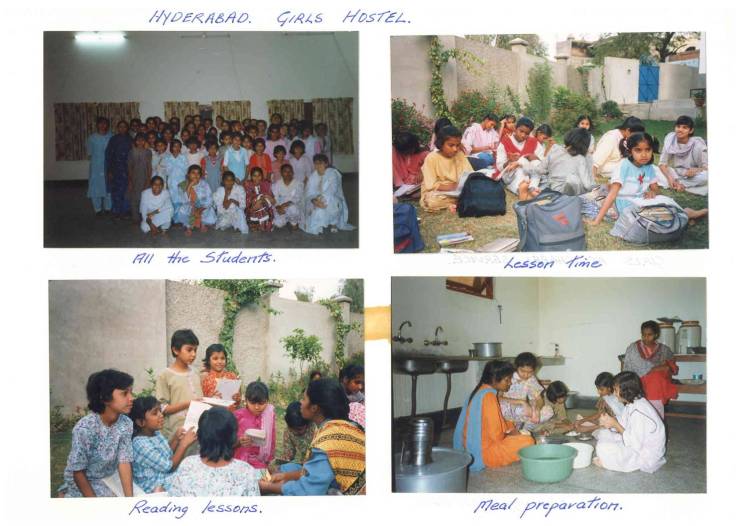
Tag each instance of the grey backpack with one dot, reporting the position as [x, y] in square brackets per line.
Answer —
[657, 223]
[550, 222]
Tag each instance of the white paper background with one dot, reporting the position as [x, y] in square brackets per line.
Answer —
[27, 266]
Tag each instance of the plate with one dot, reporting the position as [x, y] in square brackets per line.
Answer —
[584, 436]
[572, 434]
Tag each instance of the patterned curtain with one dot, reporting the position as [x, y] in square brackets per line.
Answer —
[338, 115]
[75, 121]
[232, 110]
[180, 109]
[288, 109]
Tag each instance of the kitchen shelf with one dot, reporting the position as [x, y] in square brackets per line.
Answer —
[544, 360]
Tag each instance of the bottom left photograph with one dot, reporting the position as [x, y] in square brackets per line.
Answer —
[207, 388]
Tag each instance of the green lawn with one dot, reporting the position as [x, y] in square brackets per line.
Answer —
[657, 128]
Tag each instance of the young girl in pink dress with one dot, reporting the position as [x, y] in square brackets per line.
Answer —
[258, 414]
[260, 201]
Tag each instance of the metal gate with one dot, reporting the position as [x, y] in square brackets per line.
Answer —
[649, 83]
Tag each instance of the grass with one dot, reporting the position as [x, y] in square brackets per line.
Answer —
[486, 229]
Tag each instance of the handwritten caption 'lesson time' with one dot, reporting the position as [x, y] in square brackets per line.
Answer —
[286, 19]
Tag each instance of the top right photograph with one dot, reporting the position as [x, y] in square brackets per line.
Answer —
[549, 142]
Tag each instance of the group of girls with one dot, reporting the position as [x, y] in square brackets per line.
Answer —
[223, 179]
[509, 407]
[144, 444]
[609, 176]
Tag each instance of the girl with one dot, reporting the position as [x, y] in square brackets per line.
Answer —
[215, 473]
[653, 362]
[260, 201]
[480, 141]
[211, 165]
[312, 146]
[102, 440]
[568, 169]
[157, 160]
[585, 121]
[438, 125]
[684, 159]
[442, 170]
[230, 201]
[279, 159]
[175, 165]
[194, 155]
[260, 159]
[214, 368]
[407, 160]
[247, 144]
[517, 156]
[138, 174]
[258, 414]
[289, 196]
[155, 458]
[481, 428]
[325, 140]
[337, 457]
[544, 135]
[507, 125]
[555, 398]
[607, 154]
[194, 202]
[98, 184]
[274, 137]
[302, 165]
[155, 208]
[639, 439]
[297, 438]
[236, 158]
[523, 402]
[607, 403]
[352, 379]
[324, 202]
[117, 152]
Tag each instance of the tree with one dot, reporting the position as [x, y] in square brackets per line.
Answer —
[536, 46]
[302, 348]
[305, 294]
[647, 47]
[354, 289]
[539, 92]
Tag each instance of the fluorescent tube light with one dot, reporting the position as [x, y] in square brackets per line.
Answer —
[97, 37]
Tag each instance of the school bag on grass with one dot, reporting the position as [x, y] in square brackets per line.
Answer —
[550, 222]
[659, 222]
[407, 234]
[481, 196]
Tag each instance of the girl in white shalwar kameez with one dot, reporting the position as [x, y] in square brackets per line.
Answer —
[289, 195]
[324, 200]
[230, 201]
[635, 441]
[155, 207]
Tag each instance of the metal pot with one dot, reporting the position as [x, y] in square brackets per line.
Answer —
[447, 473]
[572, 399]
[486, 350]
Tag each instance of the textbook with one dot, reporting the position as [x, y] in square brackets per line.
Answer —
[217, 401]
[193, 414]
[228, 388]
[446, 240]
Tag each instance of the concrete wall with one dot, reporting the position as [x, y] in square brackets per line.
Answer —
[676, 81]
[620, 81]
[95, 325]
[128, 325]
[592, 320]
[666, 110]
[153, 67]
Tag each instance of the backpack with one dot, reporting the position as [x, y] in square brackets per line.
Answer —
[407, 234]
[656, 223]
[481, 196]
[549, 222]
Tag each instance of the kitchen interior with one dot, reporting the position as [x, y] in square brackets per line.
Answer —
[444, 330]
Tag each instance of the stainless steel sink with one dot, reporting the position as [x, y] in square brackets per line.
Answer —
[452, 366]
[415, 366]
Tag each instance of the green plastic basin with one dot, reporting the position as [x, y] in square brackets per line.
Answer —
[547, 462]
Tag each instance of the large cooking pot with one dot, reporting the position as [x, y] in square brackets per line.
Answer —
[446, 473]
[486, 350]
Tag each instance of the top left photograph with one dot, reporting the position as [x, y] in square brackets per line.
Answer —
[201, 139]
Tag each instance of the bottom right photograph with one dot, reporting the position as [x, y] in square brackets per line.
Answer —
[549, 385]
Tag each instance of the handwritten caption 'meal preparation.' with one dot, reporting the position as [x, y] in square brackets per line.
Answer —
[534, 508]
[286, 19]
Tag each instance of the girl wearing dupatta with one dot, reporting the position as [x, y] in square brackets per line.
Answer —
[96, 147]
[260, 415]
[481, 429]
[654, 364]
[155, 208]
[194, 202]
[683, 159]
[260, 201]
[336, 462]
[324, 202]
[230, 201]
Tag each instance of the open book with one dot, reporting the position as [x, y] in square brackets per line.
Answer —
[217, 401]
[228, 388]
[193, 414]
[114, 483]
[407, 189]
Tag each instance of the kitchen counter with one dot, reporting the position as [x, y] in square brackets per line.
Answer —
[544, 360]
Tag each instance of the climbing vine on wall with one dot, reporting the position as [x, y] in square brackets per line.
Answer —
[439, 56]
[342, 329]
[239, 293]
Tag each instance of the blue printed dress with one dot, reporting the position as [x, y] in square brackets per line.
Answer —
[185, 208]
[634, 181]
[97, 184]
[117, 153]
[151, 466]
[98, 450]
[175, 169]
[196, 479]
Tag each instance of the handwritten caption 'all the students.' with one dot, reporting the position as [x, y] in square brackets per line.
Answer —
[286, 19]
[228, 257]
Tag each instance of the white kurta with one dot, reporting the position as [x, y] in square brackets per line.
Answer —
[284, 193]
[526, 170]
[642, 444]
[330, 189]
[151, 203]
[233, 216]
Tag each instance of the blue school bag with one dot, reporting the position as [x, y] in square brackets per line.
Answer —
[481, 196]
[550, 222]
[407, 234]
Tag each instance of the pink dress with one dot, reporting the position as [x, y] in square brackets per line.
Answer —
[256, 456]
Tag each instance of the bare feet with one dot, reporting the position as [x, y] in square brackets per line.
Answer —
[696, 214]
[596, 461]
[188, 232]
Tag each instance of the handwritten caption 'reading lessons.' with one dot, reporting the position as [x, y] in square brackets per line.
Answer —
[236, 257]
[536, 508]
[285, 19]
[158, 507]
[520, 263]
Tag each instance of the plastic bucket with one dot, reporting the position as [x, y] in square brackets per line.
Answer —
[547, 462]
[584, 454]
